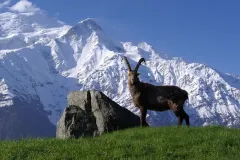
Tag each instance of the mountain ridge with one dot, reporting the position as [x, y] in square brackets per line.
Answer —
[53, 61]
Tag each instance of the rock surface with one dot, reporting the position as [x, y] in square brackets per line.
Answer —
[25, 120]
[91, 113]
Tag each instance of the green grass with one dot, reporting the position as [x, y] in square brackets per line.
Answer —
[203, 143]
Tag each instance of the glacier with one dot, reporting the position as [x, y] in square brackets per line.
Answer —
[43, 59]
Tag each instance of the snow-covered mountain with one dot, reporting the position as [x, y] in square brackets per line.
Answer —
[42, 60]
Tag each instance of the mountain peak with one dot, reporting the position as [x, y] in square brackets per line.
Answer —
[84, 28]
[90, 23]
[25, 22]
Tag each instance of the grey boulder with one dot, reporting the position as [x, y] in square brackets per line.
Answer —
[91, 113]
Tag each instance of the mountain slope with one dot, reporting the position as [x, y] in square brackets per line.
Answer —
[42, 60]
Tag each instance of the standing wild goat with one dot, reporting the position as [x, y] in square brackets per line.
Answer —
[159, 98]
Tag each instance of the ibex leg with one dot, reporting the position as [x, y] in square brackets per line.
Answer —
[143, 116]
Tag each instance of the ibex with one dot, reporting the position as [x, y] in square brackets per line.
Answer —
[159, 98]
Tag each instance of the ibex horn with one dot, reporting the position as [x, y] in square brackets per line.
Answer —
[139, 63]
[126, 61]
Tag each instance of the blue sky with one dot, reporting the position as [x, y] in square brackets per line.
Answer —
[204, 31]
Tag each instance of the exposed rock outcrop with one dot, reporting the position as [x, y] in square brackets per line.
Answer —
[91, 113]
[25, 120]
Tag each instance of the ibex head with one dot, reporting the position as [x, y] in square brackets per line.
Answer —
[133, 74]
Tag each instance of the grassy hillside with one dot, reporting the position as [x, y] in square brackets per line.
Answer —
[139, 143]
